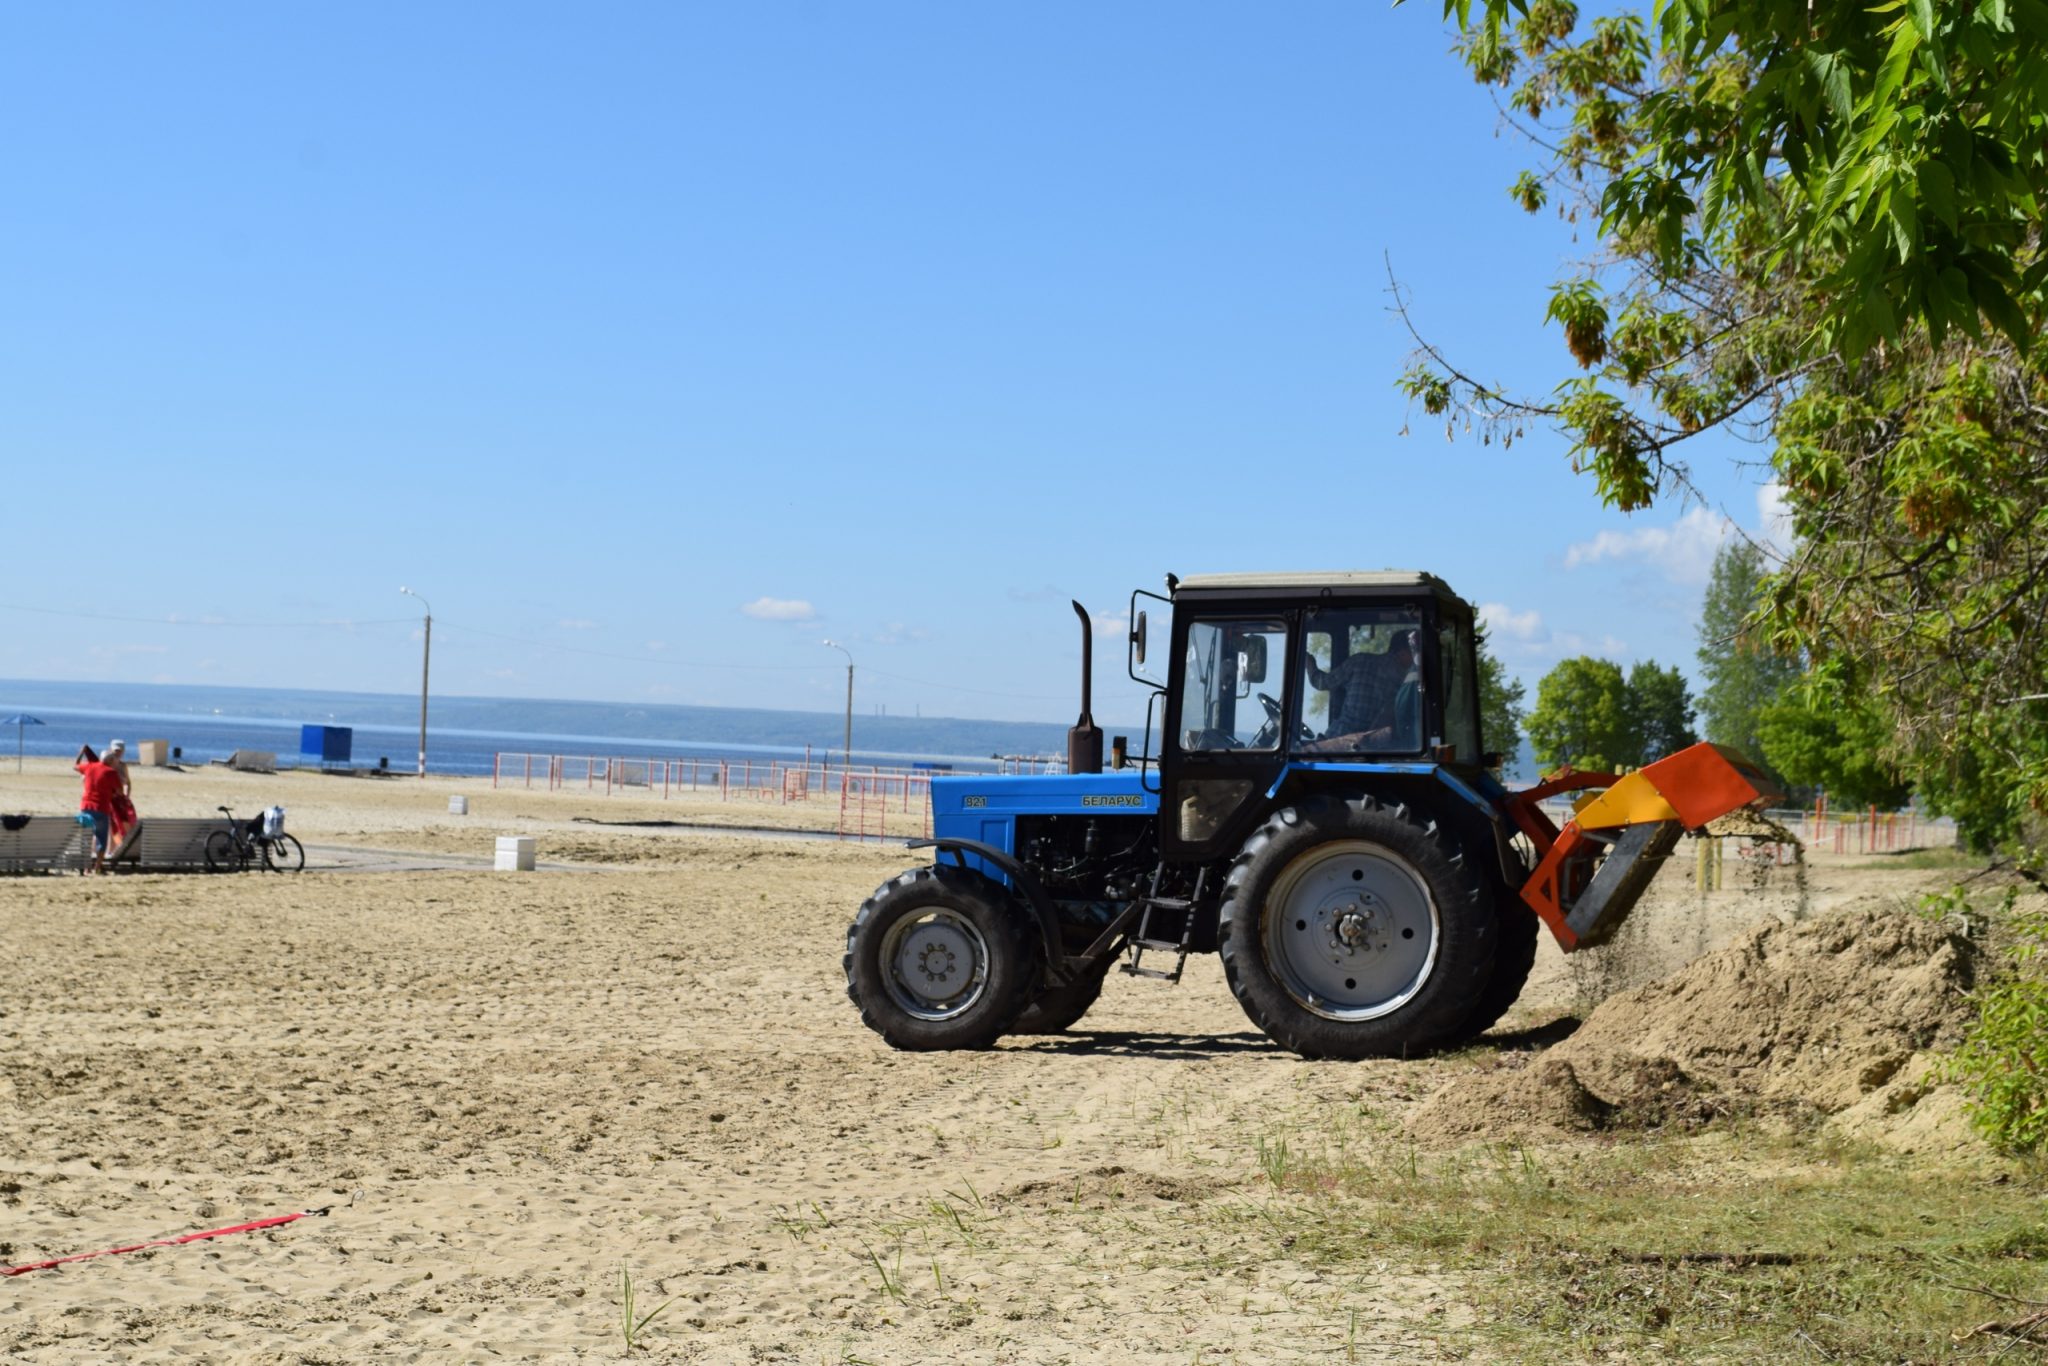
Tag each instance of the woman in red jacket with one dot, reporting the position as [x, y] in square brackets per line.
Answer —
[123, 810]
[102, 786]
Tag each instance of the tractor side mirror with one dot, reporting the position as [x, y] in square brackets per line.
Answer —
[1138, 641]
[1251, 659]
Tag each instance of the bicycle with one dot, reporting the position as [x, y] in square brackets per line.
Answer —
[243, 843]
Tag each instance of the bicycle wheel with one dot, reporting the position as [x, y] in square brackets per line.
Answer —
[284, 854]
[224, 853]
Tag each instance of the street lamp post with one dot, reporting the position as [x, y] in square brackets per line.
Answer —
[849, 698]
[426, 658]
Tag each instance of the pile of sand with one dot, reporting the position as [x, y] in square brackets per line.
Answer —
[1831, 1016]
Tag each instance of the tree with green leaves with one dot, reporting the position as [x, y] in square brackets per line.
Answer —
[1819, 228]
[1590, 716]
[1823, 737]
[1581, 718]
[1744, 674]
[1660, 713]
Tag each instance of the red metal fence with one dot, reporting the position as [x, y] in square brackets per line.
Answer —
[865, 795]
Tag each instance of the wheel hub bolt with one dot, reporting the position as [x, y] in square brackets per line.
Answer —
[1349, 929]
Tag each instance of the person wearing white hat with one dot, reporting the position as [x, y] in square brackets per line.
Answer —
[123, 812]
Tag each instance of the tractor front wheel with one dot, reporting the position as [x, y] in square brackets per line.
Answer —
[1352, 929]
[940, 958]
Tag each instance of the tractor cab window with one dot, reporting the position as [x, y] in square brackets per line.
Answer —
[1226, 700]
[1362, 682]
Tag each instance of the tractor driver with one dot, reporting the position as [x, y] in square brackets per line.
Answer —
[1375, 700]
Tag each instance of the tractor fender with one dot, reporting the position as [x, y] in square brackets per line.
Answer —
[1022, 881]
[1482, 799]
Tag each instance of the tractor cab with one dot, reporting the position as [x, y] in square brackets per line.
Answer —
[1274, 675]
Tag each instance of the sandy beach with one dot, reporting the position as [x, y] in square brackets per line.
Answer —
[516, 1090]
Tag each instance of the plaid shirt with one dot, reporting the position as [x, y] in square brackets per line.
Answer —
[1362, 690]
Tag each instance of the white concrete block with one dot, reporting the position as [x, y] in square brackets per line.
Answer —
[458, 806]
[515, 854]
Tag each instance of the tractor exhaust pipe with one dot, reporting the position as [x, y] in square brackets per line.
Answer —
[1084, 741]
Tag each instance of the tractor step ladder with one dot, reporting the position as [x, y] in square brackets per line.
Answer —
[1142, 940]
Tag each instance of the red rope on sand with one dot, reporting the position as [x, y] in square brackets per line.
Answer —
[272, 1222]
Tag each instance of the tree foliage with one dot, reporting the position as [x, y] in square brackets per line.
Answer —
[1819, 228]
[1591, 717]
[1581, 716]
[1744, 674]
[1824, 736]
[1660, 713]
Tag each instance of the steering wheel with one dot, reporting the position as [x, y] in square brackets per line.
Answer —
[1270, 731]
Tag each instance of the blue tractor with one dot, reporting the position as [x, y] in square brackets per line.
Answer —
[1321, 812]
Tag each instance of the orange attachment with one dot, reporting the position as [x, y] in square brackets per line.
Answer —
[1698, 784]
[1635, 820]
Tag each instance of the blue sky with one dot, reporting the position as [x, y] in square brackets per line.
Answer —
[655, 344]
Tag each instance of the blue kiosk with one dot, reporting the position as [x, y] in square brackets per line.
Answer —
[326, 744]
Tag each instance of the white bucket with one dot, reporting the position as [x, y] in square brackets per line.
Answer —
[515, 854]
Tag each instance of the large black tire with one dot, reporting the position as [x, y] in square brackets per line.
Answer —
[284, 854]
[1061, 1008]
[941, 958]
[1514, 957]
[1350, 929]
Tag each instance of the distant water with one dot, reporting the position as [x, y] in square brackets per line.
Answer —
[465, 733]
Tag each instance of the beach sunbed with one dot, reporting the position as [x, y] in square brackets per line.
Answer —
[167, 843]
[42, 843]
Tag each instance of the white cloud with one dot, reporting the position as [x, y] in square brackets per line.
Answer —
[780, 609]
[1683, 550]
[576, 624]
[1115, 626]
[1503, 621]
[1774, 516]
[1525, 638]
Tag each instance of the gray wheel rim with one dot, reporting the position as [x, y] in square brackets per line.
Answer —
[935, 963]
[1351, 931]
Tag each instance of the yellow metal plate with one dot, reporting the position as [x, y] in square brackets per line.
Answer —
[1632, 801]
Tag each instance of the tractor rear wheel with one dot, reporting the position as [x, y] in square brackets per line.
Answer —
[1514, 956]
[1351, 929]
[940, 958]
[1060, 1008]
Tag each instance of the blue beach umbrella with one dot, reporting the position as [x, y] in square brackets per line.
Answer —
[18, 720]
